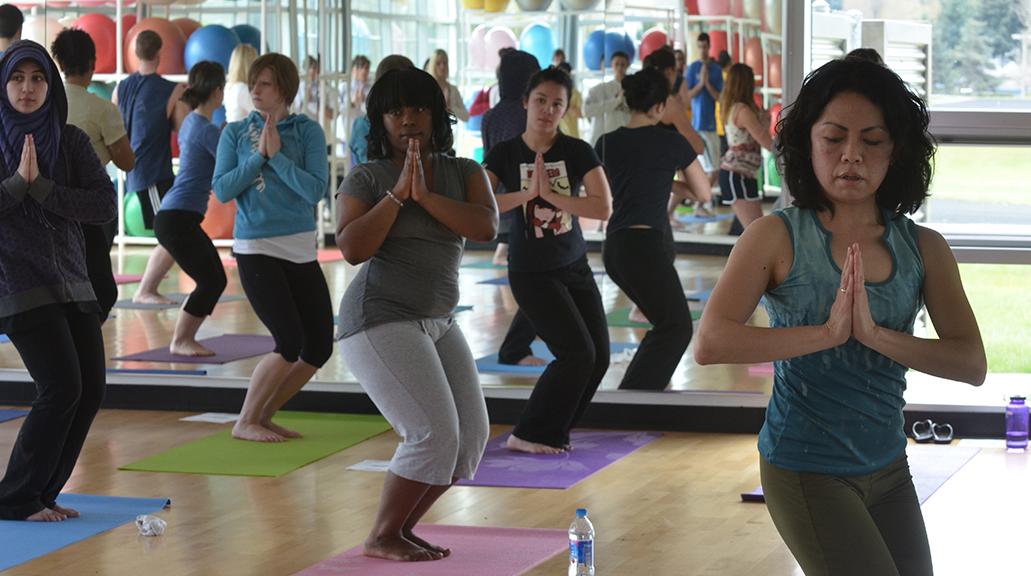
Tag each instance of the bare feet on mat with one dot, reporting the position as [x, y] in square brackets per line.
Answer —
[255, 433]
[67, 512]
[501, 255]
[520, 445]
[284, 432]
[151, 298]
[637, 316]
[189, 348]
[433, 548]
[46, 515]
[399, 549]
[532, 360]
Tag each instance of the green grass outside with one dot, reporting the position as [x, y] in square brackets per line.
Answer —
[996, 174]
[1001, 299]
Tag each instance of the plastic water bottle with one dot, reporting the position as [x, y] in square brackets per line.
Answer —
[1016, 424]
[581, 545]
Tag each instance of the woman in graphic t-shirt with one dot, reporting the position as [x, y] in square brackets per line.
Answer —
[542, 171]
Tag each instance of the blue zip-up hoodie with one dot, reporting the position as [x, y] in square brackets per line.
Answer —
[274, 196]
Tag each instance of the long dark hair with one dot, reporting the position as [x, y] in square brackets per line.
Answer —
[407, 87]
[205, 77]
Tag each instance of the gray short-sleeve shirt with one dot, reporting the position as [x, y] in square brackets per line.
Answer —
[414, 274]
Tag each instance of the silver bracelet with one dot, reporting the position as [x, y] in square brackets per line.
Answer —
[399, 202]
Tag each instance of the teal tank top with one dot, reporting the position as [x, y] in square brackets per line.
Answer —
[839, 411]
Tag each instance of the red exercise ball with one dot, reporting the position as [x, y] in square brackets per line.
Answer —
[691, 6]
[754, 57]
[218, 220]
[774, 118]
[187, 26]
[718, 43]
[714, 7]
[651, 41]
[172, 41]
[101, 30]
[128, 21]
[775, 80]
[758, 99]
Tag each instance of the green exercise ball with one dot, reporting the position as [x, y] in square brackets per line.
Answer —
[134, 218]
[771, 169]
[101, 89]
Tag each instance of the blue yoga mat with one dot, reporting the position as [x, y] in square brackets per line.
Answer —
[6, 415]
[4, 339]
[692, 219]
[24, 541]
[503, 280]
[699, 295]
[540, 350]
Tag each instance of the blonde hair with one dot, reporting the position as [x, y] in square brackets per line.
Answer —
[431, 65]
[240, 62]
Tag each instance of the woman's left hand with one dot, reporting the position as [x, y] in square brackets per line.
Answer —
[864, 329]
[420, 191]
[273, 144]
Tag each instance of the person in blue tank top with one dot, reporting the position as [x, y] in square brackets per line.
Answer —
[177, 224]
[844, 273]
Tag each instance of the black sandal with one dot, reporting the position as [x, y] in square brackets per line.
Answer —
[923, 431]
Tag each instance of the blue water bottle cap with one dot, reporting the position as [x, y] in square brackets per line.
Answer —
[581, 512]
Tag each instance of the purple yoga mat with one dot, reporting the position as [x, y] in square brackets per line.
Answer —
[227, 348]
[592, 451]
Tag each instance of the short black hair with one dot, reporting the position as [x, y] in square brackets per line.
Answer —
[619, 54]
[645, 89]
[724, 59]
[905, 116]
[553, 75]
[868, 54]
[661, 59]
[559, 52]
[205, 77]
[704, 37]
[74, 51]
[11, 20]
[407, 87]
[565, 67]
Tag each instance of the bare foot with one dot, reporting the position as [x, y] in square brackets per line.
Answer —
[520, 445]
[433, 548]
[637, 316]
[68, 512]
[189, 348]
[46, 515]
[255, 433]
[398, 548]
[501, 255]
[532, 360]
[151, 298]
[284, 432]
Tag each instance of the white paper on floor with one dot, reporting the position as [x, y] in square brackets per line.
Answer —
[213, 417]
[982, 443]
[371, 466]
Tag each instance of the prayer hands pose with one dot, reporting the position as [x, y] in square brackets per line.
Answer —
[28, 169]
[269, 144]
[850, 314]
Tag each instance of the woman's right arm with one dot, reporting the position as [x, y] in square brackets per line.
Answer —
[231, 177]
[756, 260]
[361, 226]
[747, 119]
[509, 200]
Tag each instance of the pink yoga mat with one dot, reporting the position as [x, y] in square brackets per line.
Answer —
[475, 551]
[227, 348]
[761, 369]
[128, 278]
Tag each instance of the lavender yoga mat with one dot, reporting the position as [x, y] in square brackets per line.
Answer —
[592, 451]
[128, 278]
[475, 551]
[227, 348]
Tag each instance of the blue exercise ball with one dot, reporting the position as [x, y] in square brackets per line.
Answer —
[614, 42]
[248, 35]
[213, 42]
[536, 39]
[594, 50]
[629, 47]
[218, 117]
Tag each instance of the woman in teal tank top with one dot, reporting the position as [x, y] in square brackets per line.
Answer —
[843, 274]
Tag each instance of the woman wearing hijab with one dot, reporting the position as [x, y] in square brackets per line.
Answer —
[51, 182]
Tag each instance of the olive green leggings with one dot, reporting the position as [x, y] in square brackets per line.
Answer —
[844, 525]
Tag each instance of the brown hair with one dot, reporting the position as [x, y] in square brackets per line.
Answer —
[284, 74]
[148, 45]
[738, 89]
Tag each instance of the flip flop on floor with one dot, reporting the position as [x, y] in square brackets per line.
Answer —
[942, 433]
[923, 431]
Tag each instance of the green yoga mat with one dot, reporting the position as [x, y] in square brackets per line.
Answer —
[620, 318]
[220, 453]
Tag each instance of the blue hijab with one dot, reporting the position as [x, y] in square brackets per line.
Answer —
[44, 124]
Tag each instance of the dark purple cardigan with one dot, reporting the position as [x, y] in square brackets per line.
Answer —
[42, 255]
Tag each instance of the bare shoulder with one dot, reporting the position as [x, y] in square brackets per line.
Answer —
[766, 243]
[933, 246]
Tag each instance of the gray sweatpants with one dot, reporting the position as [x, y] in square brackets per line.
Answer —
[422, 377]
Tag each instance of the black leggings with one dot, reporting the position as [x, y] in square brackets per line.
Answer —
[292, 301]
[65, 357]
[640, 262]
[180, 233]
[98, 239]
[564, 307]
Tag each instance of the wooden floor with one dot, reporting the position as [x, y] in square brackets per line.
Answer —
[671, 507]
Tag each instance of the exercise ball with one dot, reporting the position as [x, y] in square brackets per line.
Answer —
[758, 99]
[174, 145]
[128, 21]
[497, 38]
[218, 116]
[213, 42]
[90, 3]
[533, 5]
[775, 80]
[578, 4]
[754, 57]
[495, 5]
[218, 220]
[478, 47]
[133, 214]
[536, 39]
[714, 7]
[753, 9]
[101, 30]
[594, 50]
[66, 21]
[172, 41]
[101, 90]
[691, 6]
[653, 40]
[774, 118]
[615, 42]
[718, 43]
[248, 35]
[628, 47]
[41, 29]
[472, 4]
[187, 25]
[771, 171]
[773, 15]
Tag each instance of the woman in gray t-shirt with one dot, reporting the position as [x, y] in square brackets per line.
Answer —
[405, 214]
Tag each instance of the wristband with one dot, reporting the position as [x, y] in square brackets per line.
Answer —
[399, 202]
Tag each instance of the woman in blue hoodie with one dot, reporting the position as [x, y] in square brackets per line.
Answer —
[273, 164]
[51, 183]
